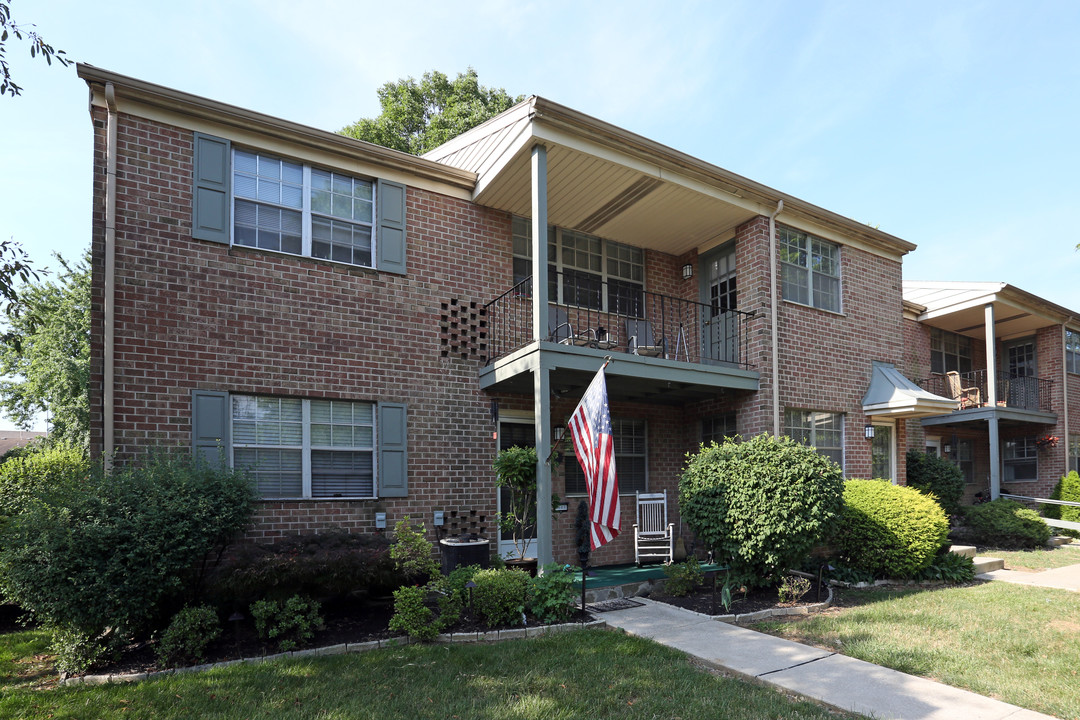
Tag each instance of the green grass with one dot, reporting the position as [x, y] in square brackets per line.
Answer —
[574, 675]
[23, 659]
[1038, 559]
[1011, 642]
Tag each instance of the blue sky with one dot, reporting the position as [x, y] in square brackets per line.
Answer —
[951, 125]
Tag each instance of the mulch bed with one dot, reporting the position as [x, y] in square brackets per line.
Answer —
[345, 622]
[701, 600]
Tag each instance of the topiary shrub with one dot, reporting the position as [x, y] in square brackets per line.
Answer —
[760, 505]
[888, 530]
[325, 566]
[500, 596]
[1068, 489]
[184, 641]
[1006, 524]
[116, 551]
[938, 477]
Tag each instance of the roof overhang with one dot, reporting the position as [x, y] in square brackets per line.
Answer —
[892, 395]
[960, 307]
[612, 183]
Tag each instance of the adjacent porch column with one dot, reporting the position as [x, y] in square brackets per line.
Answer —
[541, 383]
[991, 402]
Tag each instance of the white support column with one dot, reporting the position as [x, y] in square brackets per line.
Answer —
[991, 402]
[541, 381]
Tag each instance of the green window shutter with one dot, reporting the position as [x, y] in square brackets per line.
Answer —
[390, 236]
[393, 442]
[210, 191]
[210, 426]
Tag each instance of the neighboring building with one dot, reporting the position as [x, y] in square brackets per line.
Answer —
[11, 439]
[362, 329]
[1014, 356]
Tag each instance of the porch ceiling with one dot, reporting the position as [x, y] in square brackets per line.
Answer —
[603, 197]
[960, 308]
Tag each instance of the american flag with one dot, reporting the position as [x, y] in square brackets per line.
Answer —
[590, 428]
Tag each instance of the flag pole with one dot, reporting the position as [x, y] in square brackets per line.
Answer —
[554, 448]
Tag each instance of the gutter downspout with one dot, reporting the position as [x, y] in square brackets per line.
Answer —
[1065, 396]
[108, 431]
[774, 313]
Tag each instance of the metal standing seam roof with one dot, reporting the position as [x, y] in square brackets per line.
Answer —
[893, 395]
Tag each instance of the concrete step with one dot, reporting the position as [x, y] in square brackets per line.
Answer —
[988, 564]
[964, 550]
[1058, 540]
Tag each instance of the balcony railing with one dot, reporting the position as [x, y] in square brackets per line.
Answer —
[619, 317]
[1026, 393]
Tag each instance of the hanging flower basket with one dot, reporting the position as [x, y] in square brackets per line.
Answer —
[1047, 442]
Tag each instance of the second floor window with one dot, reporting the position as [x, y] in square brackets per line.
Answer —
[1072, 351]
[810, 269]
[949, 352]
[292, 208]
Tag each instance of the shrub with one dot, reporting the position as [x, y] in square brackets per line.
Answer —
[889, 530]
[412, 616]
[76, 651]
[937, 477]
[792, 588]
[412, 551]
[1006, 524]
[683, 577]
[324, 566]
[949, 567]
[551, 594]
[291, 621]
[25, 475]
[184, 641]
[760, 505]
[454, 593]
[500, 596]
[1068, 489]
[114, 551]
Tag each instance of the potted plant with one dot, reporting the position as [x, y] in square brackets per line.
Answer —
[515, 470]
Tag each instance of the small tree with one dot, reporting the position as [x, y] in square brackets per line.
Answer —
[515, 470]
[936, 476]
[760, 505]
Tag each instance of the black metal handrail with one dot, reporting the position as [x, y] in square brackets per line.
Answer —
[1023, 392]
[621, 317]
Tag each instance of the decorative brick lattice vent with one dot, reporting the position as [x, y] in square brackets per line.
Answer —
[463, 330]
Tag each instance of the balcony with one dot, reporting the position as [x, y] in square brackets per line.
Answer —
[666, 348]
[1012, 393]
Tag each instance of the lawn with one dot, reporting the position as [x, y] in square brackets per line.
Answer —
[574, 675]
[1012, 642]
[1038, 559]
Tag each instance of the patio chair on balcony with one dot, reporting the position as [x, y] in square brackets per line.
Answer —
[654, 536]
[559, 328]
[967, 397]
[641, 341]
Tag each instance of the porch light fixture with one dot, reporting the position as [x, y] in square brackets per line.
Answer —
[947, 449]
[869, 430]
[687, 271]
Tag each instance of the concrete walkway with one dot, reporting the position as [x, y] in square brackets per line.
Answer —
[836, 680]
[1064, 578]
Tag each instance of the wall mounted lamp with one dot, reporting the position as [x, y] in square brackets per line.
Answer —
[687, 271]
[869, 430]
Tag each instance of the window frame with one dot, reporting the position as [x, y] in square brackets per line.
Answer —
[613, 286]
[308, 215]
[1010, 459]
[806, 248]
[811, 428]
[1074, 452]
[1072, 354]
[570, 458]
[939, 348]
[709, 433]
[307, 447]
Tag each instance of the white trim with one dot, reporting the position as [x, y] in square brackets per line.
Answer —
[875, 422]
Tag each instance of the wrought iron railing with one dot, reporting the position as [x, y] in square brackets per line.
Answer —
[1024, 392]
[618, 317]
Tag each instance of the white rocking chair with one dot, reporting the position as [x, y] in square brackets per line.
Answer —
[654, 536]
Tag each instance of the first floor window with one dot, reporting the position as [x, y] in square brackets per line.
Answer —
[1072, 351]
[299, 448]
[1074, 453]
[881, 453]
[631, 460]
[1021, 460]
[965, 459]
[821, 430]
[716, 429]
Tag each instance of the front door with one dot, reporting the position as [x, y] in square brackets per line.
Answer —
[521, 433]
[719, 293]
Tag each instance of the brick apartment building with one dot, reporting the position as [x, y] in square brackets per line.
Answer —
[362, 329]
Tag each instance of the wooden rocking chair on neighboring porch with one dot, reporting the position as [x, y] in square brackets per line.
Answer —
[966, 396]
[654, 536]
